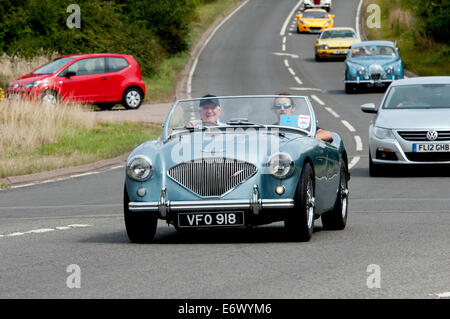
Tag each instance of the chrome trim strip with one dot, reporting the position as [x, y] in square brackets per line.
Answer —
[282, 203]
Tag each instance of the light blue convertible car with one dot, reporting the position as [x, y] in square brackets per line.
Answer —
[372, 64]
[237, 162]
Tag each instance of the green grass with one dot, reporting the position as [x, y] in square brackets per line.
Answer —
[419, 54]
[161, 87]
[77, 146]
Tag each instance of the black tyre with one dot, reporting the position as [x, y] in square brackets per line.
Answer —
[336, 219]
[141, 227]
[132, 98]
[349, 88]
[300, 222]
[375, 169]
[317, 57]
[49, 97]
[105, 106]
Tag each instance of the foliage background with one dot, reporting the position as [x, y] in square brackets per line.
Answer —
[150, 30]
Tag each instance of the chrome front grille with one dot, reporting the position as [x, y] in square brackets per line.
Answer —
[422, 135]
[211, 176]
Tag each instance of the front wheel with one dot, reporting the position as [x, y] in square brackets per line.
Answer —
[350, 88]
[300, 222]
[50, 97]
[141, 227]
[132, 98]
[336, 219]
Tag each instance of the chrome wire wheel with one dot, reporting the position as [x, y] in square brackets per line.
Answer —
[344, 197]
[310, 204]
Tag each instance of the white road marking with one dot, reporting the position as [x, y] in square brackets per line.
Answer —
[354, 161]
[348, 125]
[298, 80]
[305, 89]
[286, 63]
[45, 230]
[194, 64]
[329, 109]
[443, 295]
[65, 178]
[315, 98]
[291, 71]
[359, 144]
[284, 39]
[283, 47]
[294, 56]
[283, 28]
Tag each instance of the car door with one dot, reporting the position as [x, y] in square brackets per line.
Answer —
[115, 77]
[88, 83]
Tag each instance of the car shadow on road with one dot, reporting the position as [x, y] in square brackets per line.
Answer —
[400, 171]
[168, 235]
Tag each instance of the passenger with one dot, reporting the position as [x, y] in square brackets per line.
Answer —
[285, 106]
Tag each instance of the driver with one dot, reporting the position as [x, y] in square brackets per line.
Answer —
[285, 106]
[209, 110]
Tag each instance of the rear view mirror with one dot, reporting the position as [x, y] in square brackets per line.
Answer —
[68, 74]
[369, 108]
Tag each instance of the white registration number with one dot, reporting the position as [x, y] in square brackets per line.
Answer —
[340, 52]
[438, 147]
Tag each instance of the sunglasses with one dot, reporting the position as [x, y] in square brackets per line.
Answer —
[278, 106]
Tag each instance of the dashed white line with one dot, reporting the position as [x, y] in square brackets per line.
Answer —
[359, 144]
[298, 80]
[284, 39]
[291, 71]
[283, 47]
[354, 161]
[45, 230]
[305, 89]
[315, 98]
[348, 125]
[329, 109]
[286, 63]
[294, 56]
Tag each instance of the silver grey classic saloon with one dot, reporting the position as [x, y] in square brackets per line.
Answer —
[412, 125]
[237, 162]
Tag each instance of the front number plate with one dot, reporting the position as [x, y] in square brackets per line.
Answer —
[438, 147]
[340, 52]
[215, 219]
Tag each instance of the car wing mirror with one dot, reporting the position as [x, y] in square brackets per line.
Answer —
[68, 74]
[369, 108]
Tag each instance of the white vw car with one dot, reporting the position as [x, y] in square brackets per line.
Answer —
[412, 125]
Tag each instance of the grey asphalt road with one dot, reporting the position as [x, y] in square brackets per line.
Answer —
[400, 223]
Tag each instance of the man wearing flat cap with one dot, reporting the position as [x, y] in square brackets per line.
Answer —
[209, 110]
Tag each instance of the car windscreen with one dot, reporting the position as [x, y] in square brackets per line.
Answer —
[52, 66]
[418, 96]
[315, 15]
[373, 50]
[291, 112]
[337, 34]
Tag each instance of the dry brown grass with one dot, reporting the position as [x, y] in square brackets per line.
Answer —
[14, 66]
[400, 20]
[25, 124]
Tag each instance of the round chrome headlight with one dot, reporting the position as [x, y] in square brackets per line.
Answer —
[361, 70]
[389, 70]
[139, 168]
[281, 165]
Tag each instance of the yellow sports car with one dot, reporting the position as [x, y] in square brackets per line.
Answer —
[335, 42]
[314, 21]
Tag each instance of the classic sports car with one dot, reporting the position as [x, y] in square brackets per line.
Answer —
[314, 21]
[258, 163]
[412, 125]
[321, 4]
[372, 63]
[335, 42]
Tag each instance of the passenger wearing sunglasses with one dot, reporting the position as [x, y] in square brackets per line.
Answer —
[285, 106]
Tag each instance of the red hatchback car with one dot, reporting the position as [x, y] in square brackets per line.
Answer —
[101, 79]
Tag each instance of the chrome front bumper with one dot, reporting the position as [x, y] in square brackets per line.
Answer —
[256, 204]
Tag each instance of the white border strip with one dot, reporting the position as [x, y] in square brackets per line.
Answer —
[359, 144]
[283, 28]
[315, 98]
[357, 24]
[194, 65]
[348, 125]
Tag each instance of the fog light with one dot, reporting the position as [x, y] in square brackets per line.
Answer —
[142, 192]
[280, 190]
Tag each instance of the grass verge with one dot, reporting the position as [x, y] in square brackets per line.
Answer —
[35, 139]
[420, 54]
